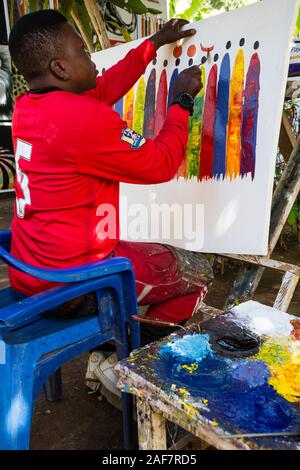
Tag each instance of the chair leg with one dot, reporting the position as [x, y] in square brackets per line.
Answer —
[128, 431]
[53, 386]
[16, 405]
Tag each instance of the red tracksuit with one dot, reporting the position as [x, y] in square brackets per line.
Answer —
[71, 153]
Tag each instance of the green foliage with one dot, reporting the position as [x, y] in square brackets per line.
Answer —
[134, 6]
[197, 9]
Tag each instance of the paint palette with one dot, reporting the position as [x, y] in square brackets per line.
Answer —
[252, 387]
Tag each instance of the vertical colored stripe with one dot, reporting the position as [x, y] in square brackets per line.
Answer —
[148, 127]
[128, 107]
[207, 135]
[250, 113]
[233, 152]
[161, 103]
[171, 85]
[139, 104]
[119, 107]
[195, 127]
[220, 129]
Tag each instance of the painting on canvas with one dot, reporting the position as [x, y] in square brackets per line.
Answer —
[220, 199]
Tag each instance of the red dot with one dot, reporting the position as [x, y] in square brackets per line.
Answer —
[177, 51]
[191, 50]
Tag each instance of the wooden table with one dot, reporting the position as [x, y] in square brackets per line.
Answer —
[234, 374]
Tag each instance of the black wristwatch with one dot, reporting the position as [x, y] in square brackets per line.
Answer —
[185, 101]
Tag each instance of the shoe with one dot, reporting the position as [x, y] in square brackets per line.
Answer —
[106, 374]
[91, 380]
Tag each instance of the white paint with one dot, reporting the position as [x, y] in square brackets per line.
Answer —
[237, 213]
[263, 320]
[18, 415]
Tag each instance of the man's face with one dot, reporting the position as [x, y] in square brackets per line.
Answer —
[81, 70]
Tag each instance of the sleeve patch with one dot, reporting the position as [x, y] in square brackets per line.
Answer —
[133, 138]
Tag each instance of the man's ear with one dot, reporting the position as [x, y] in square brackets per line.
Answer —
[57, 67]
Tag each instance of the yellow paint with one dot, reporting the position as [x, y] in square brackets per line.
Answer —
[139, 105]
[205, 401]
[192, 368]
[233, 150]
[214, 423]
[183, 391]
[282, 358]
[192, 160]
[128, 107]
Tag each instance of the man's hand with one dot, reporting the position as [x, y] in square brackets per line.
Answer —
[188, 81]
[171, 32]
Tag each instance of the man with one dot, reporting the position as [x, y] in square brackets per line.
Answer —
[72, 151]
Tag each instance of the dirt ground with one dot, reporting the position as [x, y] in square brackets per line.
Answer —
[80, 420]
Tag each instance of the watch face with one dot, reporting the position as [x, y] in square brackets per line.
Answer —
[186, 100]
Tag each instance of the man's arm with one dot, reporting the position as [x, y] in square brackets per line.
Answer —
[112, 151]
[120, 78]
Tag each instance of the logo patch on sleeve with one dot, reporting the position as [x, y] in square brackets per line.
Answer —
[133, 138]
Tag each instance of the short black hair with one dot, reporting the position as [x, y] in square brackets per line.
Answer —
[34, 40]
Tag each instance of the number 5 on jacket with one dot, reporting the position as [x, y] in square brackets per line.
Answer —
[23, 150]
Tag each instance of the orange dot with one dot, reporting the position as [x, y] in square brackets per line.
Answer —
[191, 50]
[177, 51]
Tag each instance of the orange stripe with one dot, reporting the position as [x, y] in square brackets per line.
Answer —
[128, 107]
[233, 150]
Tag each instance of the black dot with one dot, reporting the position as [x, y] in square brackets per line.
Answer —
[216, 57]
[242, 42]
[103, 70]
[203, 60]
[154, 61]
[165, 63]
[228, 45]
[191, 62]
[177, 62]
[256, 45]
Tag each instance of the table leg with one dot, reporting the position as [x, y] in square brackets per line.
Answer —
[151, 427]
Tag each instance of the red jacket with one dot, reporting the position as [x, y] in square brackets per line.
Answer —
[71, 153]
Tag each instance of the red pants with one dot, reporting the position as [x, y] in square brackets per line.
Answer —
[172, 281]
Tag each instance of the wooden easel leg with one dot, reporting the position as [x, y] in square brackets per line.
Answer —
[283, 200]
[151, 428]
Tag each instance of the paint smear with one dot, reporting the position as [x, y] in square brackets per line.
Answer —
[139, 105]
[119, 107]
[189, 348]
[128, 107]
[195, 126]
[220, 129]
[235, 117]
[161, 103]
[207, 135]
[149, 113]
[250, 115]
[283, 360]
[171, 85]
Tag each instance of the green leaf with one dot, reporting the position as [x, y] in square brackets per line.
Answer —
[153, 11]
[84, 18]
[293, 217]
[66, 6]
[136, 6]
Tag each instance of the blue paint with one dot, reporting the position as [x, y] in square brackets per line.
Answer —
[171, 85]
[119, 107]
[237, 390]
[189, 348]
[220, 126]
[252, 373]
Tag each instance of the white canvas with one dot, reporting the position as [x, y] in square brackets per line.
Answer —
[234, 214]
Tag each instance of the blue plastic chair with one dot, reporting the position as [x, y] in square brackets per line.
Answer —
[32, 347]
